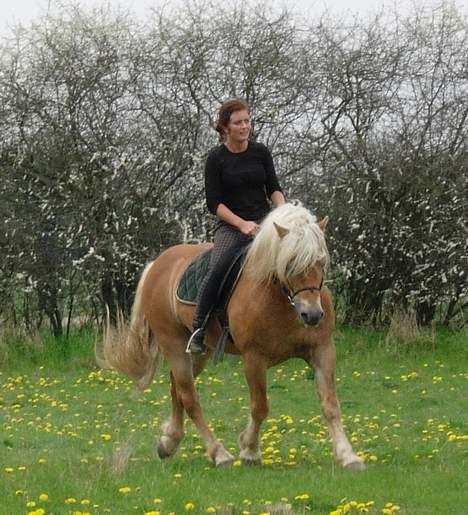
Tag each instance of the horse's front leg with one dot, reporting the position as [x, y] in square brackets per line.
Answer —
[324, 360]
[255, 368]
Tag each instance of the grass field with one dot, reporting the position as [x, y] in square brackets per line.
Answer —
[66, 426]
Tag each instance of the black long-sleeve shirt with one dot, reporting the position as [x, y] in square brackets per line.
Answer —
[242, 181]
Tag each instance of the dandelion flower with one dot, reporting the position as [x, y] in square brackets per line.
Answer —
[125, 490]
[43, 497]
[189, 506]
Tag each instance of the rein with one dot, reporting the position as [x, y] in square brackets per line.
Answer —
[291, 294]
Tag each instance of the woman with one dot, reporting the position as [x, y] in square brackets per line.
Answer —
[240, 180]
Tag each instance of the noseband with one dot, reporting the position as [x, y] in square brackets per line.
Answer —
[291, 294]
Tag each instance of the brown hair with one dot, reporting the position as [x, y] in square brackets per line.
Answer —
[225, 111]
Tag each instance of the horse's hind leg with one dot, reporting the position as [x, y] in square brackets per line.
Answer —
[323, 361]
[187, 399]
[255, 373]
[173, 428]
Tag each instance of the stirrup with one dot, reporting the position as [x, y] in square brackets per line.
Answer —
[194, 335]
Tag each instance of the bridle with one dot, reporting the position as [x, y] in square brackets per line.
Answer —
[291, 294]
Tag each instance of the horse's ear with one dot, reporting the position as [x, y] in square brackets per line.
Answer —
[282, 231]
[323, 223]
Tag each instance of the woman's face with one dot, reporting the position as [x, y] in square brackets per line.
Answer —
[238, 128]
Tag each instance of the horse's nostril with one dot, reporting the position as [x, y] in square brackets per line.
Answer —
[311, 318]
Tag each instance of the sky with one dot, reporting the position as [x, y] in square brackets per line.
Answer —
[13, 11]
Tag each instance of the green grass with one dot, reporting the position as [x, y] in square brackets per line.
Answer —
[404, 407]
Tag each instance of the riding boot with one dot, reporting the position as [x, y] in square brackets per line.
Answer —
[206, 299]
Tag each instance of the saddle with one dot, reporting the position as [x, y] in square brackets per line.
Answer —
[190, 283]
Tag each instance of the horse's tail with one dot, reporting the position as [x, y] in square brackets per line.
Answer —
[132, 348]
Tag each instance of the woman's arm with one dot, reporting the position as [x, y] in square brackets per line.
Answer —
[244, 226]
[277, 198]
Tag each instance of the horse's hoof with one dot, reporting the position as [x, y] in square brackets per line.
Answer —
[223, 459]
[251, 462]
[163, 453]
[250, 457]
[356, 466]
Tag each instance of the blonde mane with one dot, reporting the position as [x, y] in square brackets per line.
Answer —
[300, 249]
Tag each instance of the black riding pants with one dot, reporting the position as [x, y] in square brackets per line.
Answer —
[228, 241]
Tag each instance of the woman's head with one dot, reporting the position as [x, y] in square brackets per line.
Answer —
[233, 105]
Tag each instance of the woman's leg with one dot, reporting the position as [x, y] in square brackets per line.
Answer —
[227, 242]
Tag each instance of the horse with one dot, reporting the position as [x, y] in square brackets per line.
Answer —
[280, 308]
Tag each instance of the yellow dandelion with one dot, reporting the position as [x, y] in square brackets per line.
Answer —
[30, 504]
[152, 512]
[157, 500]
[70, 500]
[189, 506]
[211, 509]
[125, 490]
[301, 497]
[43, 497]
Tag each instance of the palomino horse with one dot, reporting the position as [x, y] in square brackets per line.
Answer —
[280, 309]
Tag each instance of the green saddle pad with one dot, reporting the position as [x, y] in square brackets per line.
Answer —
[192, 278]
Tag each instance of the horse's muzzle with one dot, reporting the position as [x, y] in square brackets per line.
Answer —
[310, 316]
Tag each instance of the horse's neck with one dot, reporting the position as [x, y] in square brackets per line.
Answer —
[269, 293]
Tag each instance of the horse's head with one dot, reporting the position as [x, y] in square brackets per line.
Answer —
[303, 293]
[303, 289]
[290, 249]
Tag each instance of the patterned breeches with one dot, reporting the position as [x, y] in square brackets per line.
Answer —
[228, 241]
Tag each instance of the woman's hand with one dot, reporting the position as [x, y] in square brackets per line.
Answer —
[248, 228]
